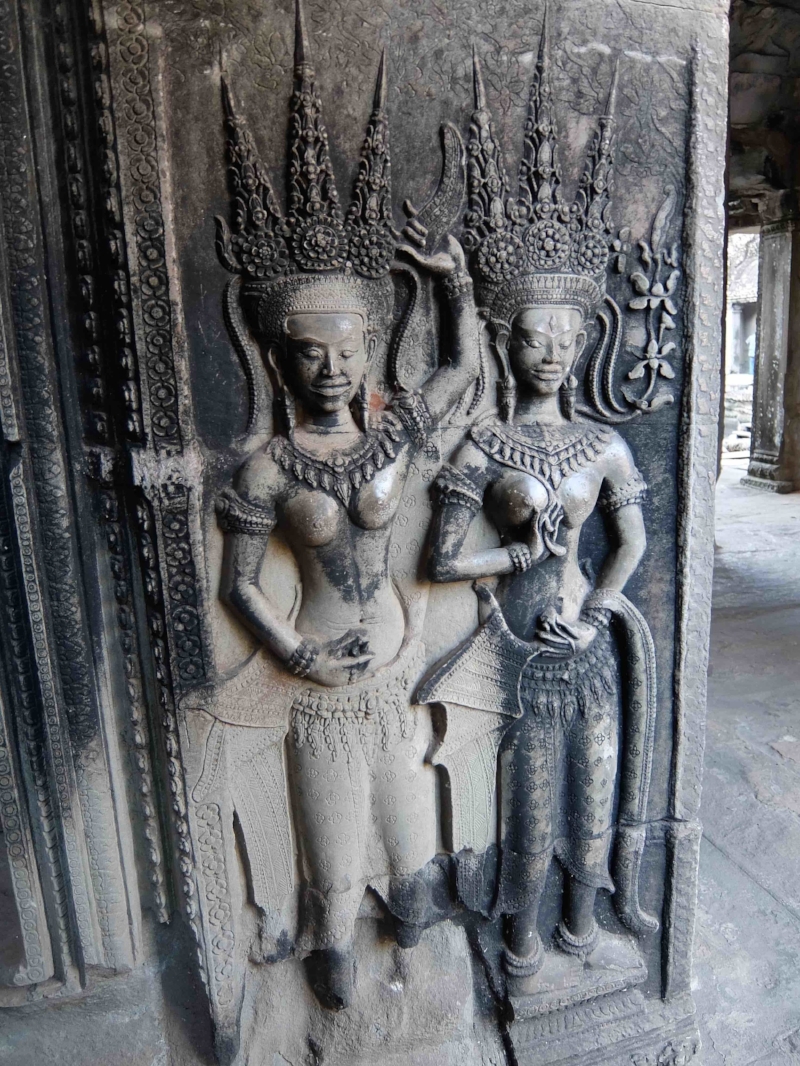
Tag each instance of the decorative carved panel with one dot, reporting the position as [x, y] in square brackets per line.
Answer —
[357, 376]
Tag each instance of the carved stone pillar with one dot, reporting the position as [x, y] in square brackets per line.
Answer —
[358, 392]
[773, 455]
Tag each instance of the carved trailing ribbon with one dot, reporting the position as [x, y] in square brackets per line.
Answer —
[639, 736]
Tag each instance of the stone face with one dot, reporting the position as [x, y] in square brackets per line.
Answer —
[356, 559]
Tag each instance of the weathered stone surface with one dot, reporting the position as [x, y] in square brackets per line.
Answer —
[264, 736]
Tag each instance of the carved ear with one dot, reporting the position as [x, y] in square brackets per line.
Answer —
[500, 338]
[580, 343]
[273, 359]
[372, 347]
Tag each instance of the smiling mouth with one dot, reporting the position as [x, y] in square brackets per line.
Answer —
[331, 388]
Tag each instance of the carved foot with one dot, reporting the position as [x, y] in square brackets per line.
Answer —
[598, 949]
[407, 934]
[613, 953]
[559, 972]
[521, 969]
[330, 974]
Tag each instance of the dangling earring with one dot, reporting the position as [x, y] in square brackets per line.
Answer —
[288, 415]
[362, 406]
[507, 398]
[569, 390]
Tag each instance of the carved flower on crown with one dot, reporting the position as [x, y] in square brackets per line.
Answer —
[262, 256]
[371, 251]
[547, 244]
[591, 255]
[501, 256]
[320, 245]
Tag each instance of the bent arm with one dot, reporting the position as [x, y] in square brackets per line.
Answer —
[626, 528]
[244, 555]
[445, 387]
[623, 490]
[460, 487]
[448, 560]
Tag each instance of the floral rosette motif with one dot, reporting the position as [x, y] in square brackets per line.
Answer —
[320, 244]
[371, 251]
[591, 254]
[501, 256]
[547, 244]
[262, 256]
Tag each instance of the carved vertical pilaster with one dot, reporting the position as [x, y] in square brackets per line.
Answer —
[79, 760]
[767, 468]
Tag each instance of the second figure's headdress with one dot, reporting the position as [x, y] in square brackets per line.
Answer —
[533, 248]
[315, 258]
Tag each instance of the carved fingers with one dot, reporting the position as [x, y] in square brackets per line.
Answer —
[343, 660]
[441, 264]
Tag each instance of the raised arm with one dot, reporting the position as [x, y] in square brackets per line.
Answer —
[448, 383]
[459, 489]
[621, 498]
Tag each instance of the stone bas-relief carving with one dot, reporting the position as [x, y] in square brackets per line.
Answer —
[542, 663]
[317, 289]
[401, 819]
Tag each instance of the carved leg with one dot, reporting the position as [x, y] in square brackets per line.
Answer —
[330, 798]
[580, 908]
[579, 934]
[330, 974]
[526, 791]
[523, 955]
[403, 802]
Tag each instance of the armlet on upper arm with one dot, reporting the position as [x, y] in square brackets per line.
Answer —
[236, 515]
[412, 409]
[633, 490]
[454, 487]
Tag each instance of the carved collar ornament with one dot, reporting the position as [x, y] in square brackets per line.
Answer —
[315, 258]
[340, 472]
[535, 249]
[345, 470]
[548, 452]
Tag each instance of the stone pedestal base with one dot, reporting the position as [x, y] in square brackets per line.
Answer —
[623, 1028]
[766, 476]
[769, 486]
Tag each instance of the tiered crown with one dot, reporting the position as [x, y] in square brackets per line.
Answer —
[533, 248]
[314, 257]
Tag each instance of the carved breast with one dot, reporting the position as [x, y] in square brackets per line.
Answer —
[313, 517]
[515, 498]
[374, 504]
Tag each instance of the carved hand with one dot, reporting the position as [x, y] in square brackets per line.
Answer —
[342, 661]
[442, 264]
[557, 639]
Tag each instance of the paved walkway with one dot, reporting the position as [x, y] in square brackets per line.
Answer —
[747, 969]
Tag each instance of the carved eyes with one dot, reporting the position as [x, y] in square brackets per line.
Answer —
[319, 353]
[537, 346]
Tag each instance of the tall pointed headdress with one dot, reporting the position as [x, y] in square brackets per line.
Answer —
[315, 258]
[532, 248]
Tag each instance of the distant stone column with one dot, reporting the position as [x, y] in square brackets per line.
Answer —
[774, 457]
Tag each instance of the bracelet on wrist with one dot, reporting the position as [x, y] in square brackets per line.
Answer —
[457, 283]
[521, 558]
[302, 658]
[599, 617]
